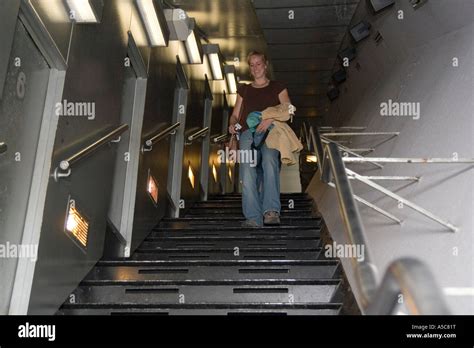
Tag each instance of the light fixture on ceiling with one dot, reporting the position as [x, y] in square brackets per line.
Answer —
[193, 44]
[183, 28]
[154, 22]
[360, 31]
[379, 5]
[230, 76]
[213, 54]
[85, 11]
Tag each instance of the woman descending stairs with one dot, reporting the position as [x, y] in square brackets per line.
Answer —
[205, 263]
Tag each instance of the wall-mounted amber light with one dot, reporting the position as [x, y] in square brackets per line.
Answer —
[76, 224]
[214, 171]
[152, 188]
[230, 173]
[311, 159]
[190, 175]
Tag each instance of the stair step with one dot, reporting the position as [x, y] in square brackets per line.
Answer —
[228, 291]
[238, 212]
[202, 309]
[239, 194]
[213, 222]
[238, 204]
[228, 254]
[314, 269]
[205, 243]
[235, 234]
[197, 228]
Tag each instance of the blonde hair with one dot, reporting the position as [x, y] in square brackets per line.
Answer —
[257, 53]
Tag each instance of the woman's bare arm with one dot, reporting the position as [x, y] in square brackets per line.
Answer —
[234, 118]
[284, 97]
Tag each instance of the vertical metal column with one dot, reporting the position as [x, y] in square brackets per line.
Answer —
[177, 142]
[204, 175]
[223, 166]
[122, 205]
[44, 104]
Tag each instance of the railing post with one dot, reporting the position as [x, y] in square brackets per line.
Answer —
[176, 151]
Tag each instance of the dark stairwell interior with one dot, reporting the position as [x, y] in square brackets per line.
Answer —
[204, 263]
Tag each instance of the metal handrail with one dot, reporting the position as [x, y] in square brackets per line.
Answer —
[221, 138]
[159, 135]
[167, 131]
[364, 270]
[3, 147]
[199, 133]
[65, 165]
[409, 277]
[414, 281]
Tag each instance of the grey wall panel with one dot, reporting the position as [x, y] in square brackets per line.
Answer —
[194, 122]
[94, 75]
[123, 166]
[416, 66]
[8, 18]
[216, 129]
[158, 115]
[55, 18]
[20, 124]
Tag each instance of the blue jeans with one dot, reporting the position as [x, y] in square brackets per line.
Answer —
[260, 183]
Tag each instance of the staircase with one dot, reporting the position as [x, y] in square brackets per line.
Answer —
[204, 263]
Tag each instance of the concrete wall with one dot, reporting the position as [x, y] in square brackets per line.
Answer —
[414, 63]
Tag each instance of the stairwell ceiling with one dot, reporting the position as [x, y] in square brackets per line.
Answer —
[301, 37]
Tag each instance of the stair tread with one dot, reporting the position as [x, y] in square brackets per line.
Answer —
[206, 282]
[167, 263]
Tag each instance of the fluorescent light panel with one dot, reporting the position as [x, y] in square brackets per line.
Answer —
[215, 66]
[194, 55]
[152, 24]
[212, 51]
[231, 80]
[82, 11]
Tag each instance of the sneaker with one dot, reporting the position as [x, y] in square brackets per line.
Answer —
[271, 218]
[250, 223]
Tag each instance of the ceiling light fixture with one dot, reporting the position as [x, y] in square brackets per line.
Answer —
[193, 44]
[83, 11]
[213, 54]
[230, 76]
[154, 21]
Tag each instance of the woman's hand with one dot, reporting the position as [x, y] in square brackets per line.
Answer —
[264, 124]
[232, 129]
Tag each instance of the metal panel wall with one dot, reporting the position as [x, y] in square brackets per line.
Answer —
[8, 15]
[95, 74]
[21, 112]
[157, 116]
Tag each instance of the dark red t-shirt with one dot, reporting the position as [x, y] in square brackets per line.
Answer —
[258, 99]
